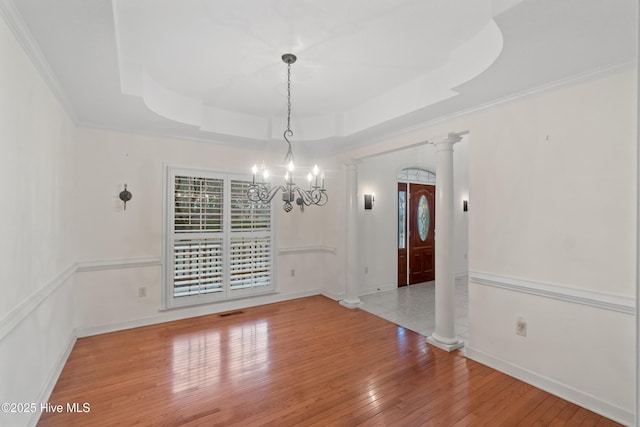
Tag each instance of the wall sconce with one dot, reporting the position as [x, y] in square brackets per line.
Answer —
[368, 201]
[125, 195]
[465, 205]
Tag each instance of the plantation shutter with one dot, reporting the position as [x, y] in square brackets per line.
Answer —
[198, 243]
[198, 266]
[250, 259]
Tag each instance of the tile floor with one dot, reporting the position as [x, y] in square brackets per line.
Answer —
[413, 307]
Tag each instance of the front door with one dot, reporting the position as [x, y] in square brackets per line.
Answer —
[421, 221]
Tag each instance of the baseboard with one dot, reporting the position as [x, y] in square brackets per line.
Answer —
[333, 296]
[383, 288]
[194, 311]
[52, 379]
[554, 387]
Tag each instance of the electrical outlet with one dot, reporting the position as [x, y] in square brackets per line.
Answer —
[521, 327]
[366, 270]
[293, 272]
[142, 292]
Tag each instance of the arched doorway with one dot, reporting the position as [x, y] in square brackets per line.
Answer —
[416, 225]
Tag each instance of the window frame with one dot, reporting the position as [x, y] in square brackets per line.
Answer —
[169, 236]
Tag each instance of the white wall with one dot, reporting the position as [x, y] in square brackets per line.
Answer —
[461, 218]
[552, 205]
[553, 199]
[120, 251]
[36, 224]
[559, 209]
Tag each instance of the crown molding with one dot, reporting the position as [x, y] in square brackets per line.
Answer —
[355, 142]
[574, 79]
[16, 23]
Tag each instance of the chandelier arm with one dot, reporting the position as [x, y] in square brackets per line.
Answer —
[304, 196]
[323, 198]
[316, 196]
[263, 192]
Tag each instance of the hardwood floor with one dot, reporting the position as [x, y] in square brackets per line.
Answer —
[308, 361]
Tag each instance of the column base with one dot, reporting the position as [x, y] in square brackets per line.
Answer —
[352, 303]
[445, 344]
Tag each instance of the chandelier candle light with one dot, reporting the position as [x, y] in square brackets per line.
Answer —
[262, 191]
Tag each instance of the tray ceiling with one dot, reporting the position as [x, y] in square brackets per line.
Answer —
[211, 70]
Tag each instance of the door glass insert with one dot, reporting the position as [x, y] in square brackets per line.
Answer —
[422, 217]
[402, 197]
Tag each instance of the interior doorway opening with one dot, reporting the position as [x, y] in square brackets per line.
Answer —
[416, 226]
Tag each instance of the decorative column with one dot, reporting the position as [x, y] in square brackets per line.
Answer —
[444, 336]
[351, 299]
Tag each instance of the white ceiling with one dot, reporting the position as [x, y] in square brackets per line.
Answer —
[211, 69]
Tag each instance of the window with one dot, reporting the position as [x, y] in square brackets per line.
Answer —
[402, 218]
[218, 244]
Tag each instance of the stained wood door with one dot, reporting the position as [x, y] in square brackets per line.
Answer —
[421, 224]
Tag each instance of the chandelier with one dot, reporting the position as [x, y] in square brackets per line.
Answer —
[262, 191]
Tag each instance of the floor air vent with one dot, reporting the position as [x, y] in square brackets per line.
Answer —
[231, 313]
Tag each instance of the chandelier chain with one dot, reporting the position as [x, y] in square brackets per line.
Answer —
[289, 97]
[288, 133]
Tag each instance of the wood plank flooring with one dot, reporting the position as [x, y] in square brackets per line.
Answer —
[305, 362]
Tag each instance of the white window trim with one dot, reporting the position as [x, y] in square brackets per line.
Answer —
[168, 300]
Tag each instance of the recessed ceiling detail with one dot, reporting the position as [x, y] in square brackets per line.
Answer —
[217, 66]
[210, 70]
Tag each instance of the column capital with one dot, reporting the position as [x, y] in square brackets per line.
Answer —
[443, 145]
[447, 143]
[454, 137]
